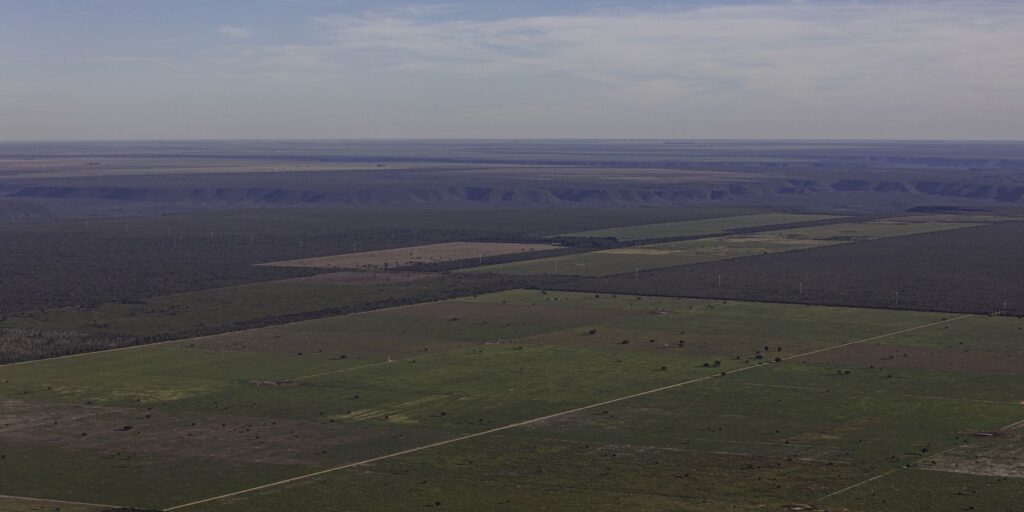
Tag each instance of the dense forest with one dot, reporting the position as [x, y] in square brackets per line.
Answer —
[975, 270]
[84, 263]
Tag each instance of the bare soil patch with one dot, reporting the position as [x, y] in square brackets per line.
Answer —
[1001, 456]
[24, 414]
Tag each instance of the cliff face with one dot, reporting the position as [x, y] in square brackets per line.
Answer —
[848, 175]
[794, 191]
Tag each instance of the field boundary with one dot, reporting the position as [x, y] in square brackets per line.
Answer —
[1013, 426]
[883, 475]
[182, 340]
[548, 417]
[64, 502]
[904, 395]
[858, 484]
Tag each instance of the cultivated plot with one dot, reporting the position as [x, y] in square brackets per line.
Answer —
[521, 399]
[403, 257]
[697, 227]
[653, 256]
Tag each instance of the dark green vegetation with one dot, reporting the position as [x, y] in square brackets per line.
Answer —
[798, 416]
[139, 310]
[974, 270]
[85, 263]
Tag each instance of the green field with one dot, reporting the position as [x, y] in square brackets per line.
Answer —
[656, 403]
[671, 254]
[697, 227]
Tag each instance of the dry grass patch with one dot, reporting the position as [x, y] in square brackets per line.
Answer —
[998, 454]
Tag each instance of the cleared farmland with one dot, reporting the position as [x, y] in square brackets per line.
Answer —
[168, 425]
[697, 227]
[671, 254]
[406, 256]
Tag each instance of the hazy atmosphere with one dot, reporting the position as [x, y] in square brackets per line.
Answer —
[187, 69]
[511, 255]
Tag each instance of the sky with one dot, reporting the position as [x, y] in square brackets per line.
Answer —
[355, 69]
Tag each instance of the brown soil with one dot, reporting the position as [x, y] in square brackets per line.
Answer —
[1001, 456]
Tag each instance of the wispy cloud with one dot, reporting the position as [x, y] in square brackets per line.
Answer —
[841, 68]
[804, 45]
[236, 32]
[760, 48]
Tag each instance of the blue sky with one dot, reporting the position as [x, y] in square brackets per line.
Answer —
[184, 69]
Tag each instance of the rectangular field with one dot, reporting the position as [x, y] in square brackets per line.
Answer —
[697, 227]
[405, 256]
[672, 254]
[521, 400]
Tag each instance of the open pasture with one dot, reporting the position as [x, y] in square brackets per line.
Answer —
[515, 400]
[697, 227]
[671, 254]
[406, 256]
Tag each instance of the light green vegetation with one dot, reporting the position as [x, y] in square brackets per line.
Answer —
[877, 429]
[917, 490]
[510, 473]
[866, 379]
[978, 333]
[697, 227]
[158, 426]
[117, 477]
[671, 254]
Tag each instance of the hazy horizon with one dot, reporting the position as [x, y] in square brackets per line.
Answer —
[120, 70]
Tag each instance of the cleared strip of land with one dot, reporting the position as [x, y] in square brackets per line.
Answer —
[713, 226]
[405, 256]
[672, 254]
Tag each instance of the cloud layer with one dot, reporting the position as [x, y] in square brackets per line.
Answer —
[791, 69]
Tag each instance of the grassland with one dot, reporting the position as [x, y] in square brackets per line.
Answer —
[774, 399]
[671, 254]
[697, 227]
[407, 256]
